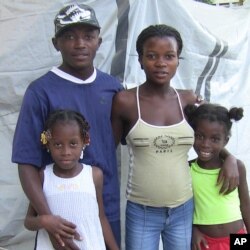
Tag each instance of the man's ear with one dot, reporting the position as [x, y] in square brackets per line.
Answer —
[99, 42]
[54, 41]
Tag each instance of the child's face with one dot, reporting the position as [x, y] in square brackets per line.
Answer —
[78, 45]
[160, 59]
[210, 139]
[66, 145]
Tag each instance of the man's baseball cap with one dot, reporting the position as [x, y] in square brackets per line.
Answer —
[75, 14]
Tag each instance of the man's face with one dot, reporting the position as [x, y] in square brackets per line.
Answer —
[78, 45]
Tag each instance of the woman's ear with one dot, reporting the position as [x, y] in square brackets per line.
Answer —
[140, 61]
[226, 140]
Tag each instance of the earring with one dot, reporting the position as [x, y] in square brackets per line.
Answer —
[82, 153]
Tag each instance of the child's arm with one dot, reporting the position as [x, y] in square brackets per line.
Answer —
[244, 196]
[198, 239]
[107, 232]
[229, 174]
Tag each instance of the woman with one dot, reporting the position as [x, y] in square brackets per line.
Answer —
[150, 117]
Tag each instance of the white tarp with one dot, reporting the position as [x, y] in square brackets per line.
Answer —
[216, 64]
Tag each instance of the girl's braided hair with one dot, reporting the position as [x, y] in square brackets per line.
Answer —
[213, 113]
[63, 115]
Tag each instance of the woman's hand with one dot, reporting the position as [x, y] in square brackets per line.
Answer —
[229, 175]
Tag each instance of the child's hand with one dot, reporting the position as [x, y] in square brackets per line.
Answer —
[198, 239]
[59, 227]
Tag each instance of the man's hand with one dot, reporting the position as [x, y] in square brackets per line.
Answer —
[68, 244]
[56, 225]
[229, 175]
[61, 231]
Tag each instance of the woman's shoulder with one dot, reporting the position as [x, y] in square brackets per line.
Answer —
[186, 92]
[125, 97]
[127, 92]
[187, 96]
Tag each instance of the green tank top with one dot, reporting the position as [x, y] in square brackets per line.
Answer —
[212, 208]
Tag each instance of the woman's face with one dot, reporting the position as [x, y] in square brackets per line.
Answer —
[160, 59]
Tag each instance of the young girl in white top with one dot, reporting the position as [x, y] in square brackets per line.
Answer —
[73, 190]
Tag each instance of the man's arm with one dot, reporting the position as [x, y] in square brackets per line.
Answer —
[32, 187]
[51, 223]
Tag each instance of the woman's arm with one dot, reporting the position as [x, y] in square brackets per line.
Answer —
[229, 174]
[124, 114]
[107, 231]
[116, 117]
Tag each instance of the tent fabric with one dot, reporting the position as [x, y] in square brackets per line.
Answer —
[215, 64]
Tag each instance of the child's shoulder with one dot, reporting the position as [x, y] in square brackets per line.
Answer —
[97, 172]
[97, 177]
[191, 161]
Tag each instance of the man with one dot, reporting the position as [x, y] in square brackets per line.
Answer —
[75, 84]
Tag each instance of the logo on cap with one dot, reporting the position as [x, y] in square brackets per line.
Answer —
[75, 14]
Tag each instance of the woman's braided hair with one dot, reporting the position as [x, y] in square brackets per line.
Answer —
[158, 30]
